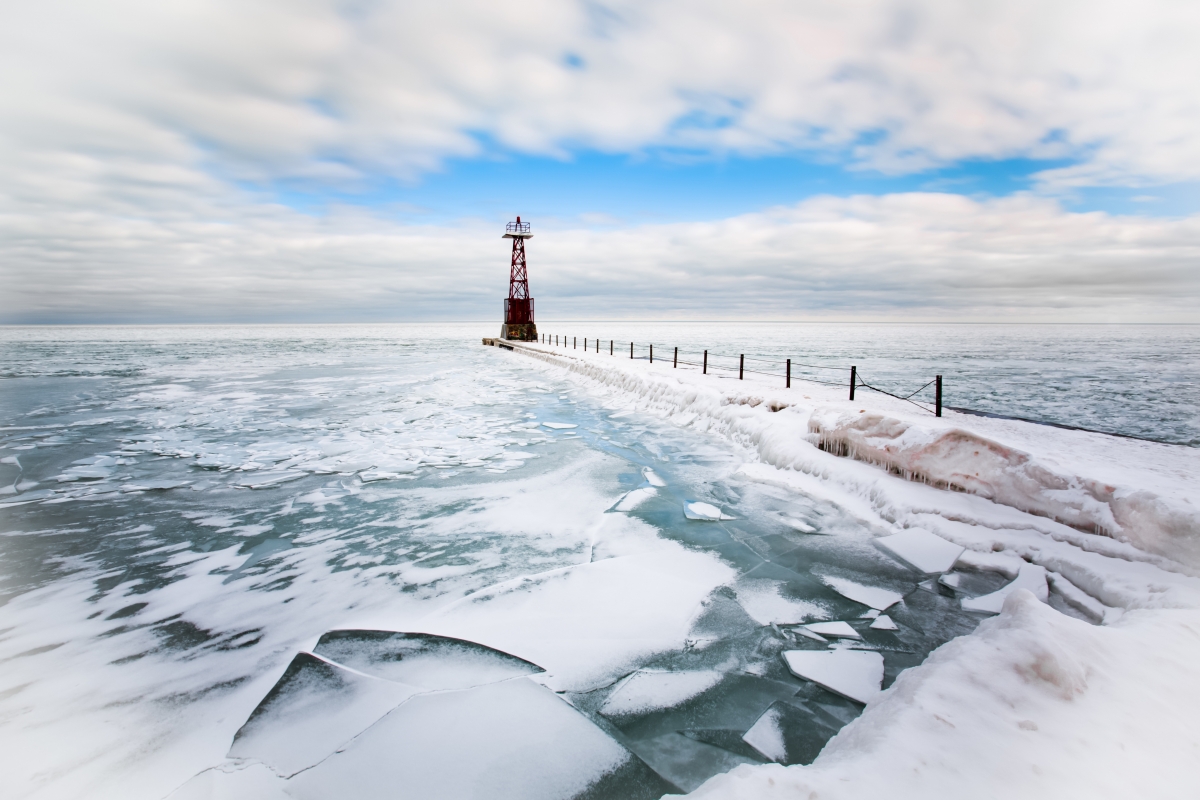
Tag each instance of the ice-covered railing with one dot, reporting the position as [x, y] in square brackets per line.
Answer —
[720, 362]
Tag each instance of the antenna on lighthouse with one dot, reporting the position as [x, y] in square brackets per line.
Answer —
[518, 306]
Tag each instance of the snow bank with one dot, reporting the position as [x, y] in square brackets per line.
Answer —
[1136, 502]
[966, 461]
[1033, 704]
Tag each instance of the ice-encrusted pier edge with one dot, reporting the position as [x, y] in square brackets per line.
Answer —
[1035, 704]
[1139, 493]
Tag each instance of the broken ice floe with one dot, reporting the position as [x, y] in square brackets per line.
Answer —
[649, 691]
[652, 477]
[313, 709]
[922, 550]
[837, 630]
[801, 525]
[809, 634]
[558, 426]
[697, 510]
[1030, 576]
[766, 735]
[951, 580]
[884, 623]
[513, 739]
[854, 674]
[873, 596]
[263, 480]
[440, 717]
[161, 485]
[420, 659]
[632, 500]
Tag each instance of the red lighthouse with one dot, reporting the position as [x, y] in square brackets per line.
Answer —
[518, 307]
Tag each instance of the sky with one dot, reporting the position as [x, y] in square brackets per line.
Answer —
[259, 161]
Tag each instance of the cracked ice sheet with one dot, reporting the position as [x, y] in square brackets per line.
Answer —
[508, 740]
[150, 696]
[586, 624]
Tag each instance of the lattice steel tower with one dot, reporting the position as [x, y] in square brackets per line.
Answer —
[518, 306]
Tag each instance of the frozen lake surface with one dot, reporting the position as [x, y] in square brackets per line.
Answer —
[191, 511]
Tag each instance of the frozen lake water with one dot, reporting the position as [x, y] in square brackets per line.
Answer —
[189, 509]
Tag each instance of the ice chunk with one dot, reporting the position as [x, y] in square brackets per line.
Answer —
[870, 614]
[513, 739]
[314, 708]
[803, 631]
[802, 526]
[703, 511]
[652, 477]
[1030, 576]
[421, 659]
[788, 734]
[649, 691]
[163, 485]
[922, 550]
[951, 580]
[766, 735]
[263, 480]
[884, 623]
[558, 426]
[854, 674]
[873, 596]
[370, 475]
[837, 630]
[633, 499]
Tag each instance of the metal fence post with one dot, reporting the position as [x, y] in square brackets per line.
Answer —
[939, 395]
[789, 374]
[675, 363]
[631, 349]
[853, 380]
[705, 372]
[741, 365]
[610, 347]
[574, 342]
[651, 354]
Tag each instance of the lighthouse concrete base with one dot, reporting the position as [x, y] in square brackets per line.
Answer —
[521, 333]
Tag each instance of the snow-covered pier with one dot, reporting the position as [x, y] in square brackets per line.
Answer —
[1085, 526]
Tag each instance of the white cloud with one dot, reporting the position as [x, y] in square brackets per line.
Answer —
[916, 256]
[331, 89]
[133, 133]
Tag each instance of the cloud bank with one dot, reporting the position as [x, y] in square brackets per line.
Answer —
[910, 256]
[140, 144]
